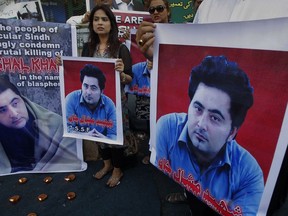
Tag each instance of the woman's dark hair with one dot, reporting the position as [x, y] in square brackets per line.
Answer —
[218, 72]
[113, 40]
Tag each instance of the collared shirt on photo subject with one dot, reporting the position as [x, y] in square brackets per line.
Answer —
[234, 177]
[105, 111]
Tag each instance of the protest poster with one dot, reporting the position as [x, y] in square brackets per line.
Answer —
[22, 9]
[30, 78]
[183, 11]
[262, 133]
[91, 103]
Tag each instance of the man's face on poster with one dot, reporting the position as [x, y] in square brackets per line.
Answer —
[209, 121]
[91, 90]
[13, 111]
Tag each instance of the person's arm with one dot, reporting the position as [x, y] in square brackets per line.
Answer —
[74, 20]
[145, 38]
[81, 19]
[126, 75]
[119, 66]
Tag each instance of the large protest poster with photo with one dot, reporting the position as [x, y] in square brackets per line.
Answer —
[263, 131]
[31, 135]
[21, 9]
[90, 102]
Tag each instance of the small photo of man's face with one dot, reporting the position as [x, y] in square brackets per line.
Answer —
[13, 111]
[91, 90]
[209, 121]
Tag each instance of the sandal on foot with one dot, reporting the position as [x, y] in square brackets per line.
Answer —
[176, 198]
[114, 181]
[101, 173]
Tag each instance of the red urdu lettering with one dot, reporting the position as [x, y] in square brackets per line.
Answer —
[220, 207]
[188, 183]
[104, 123]
[164, 165]
[13, 65]
[194, 187]
[73, 118]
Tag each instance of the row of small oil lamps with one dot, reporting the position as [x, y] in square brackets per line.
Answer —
[42, 197]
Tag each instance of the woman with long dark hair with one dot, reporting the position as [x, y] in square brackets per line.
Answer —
[103, 42]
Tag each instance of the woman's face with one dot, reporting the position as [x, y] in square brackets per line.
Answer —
[101, 23]
[158, 11]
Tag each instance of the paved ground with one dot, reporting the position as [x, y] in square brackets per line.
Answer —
[141, 192]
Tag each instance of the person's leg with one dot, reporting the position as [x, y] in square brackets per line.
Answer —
[117, 159]
[107, 163]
